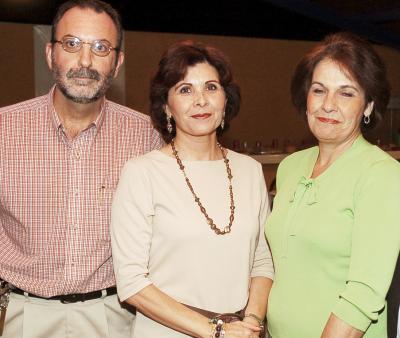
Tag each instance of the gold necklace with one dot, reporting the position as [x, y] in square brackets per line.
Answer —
[210, 221]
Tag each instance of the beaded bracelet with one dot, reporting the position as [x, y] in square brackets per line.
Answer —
[217, 329]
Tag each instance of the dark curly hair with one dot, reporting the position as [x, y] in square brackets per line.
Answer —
[173, 67]
[355, 55]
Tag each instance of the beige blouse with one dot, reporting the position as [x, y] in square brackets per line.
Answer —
[159, 236]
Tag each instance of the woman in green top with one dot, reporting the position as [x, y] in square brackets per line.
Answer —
[334, 231]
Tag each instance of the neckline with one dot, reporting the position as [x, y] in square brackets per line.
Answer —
[228, 152]
[314, 156]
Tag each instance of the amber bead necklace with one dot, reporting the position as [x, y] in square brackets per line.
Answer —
[210, 221]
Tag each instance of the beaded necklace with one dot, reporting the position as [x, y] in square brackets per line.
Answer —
[210, 221]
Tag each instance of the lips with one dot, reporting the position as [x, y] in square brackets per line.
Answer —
[201, 116]
[327, 120]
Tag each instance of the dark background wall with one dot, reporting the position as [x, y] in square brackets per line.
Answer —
[16, 63]
[262, 67]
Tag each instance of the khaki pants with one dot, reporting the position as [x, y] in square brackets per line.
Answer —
[30, 317]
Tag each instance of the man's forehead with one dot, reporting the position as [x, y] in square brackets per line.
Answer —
[85, 23]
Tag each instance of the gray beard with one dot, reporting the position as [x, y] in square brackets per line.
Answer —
[103, 83]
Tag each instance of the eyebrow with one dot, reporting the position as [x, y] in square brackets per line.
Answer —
[74, 36]
[341, 87]
[179, 84]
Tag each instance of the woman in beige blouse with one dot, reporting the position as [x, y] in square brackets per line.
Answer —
[187, 220]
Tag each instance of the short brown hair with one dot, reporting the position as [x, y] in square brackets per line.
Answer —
[355, 55]
[95, 5]
[173, 67]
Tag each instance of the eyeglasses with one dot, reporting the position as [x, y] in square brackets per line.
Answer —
[72, 44]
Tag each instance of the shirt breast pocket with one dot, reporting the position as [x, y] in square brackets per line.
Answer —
[105, 196]
[103, 193]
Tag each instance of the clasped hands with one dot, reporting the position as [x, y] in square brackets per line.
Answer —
[248, 328]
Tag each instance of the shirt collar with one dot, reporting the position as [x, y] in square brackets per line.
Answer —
[57, 121]
[54, 117]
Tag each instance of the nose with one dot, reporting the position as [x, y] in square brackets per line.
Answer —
[85, 56]
[329, 103]
[200, 99]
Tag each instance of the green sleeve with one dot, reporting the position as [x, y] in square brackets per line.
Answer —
[375, 245]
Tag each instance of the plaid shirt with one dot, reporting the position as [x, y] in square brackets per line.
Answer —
[56, 194]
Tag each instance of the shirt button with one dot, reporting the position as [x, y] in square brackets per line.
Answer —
[76, 191]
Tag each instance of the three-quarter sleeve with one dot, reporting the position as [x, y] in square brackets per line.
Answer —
[263, 265]
[131, 229]
[375, 245]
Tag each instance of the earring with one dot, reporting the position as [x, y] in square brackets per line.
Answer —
[367, 119]
[223, 121]
[169, 124]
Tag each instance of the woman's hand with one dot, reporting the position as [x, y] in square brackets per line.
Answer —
[241, 329]
[253, 322]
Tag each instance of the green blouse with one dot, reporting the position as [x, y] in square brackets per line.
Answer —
[335, 240]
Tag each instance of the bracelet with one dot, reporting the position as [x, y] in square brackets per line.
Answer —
[258, 319]
[217, 328]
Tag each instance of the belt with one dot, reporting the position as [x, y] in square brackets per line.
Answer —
[210, 314]
[72, 298]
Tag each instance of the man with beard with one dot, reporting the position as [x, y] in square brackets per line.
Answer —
[61, 156]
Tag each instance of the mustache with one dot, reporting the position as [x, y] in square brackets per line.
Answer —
[83, 73]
